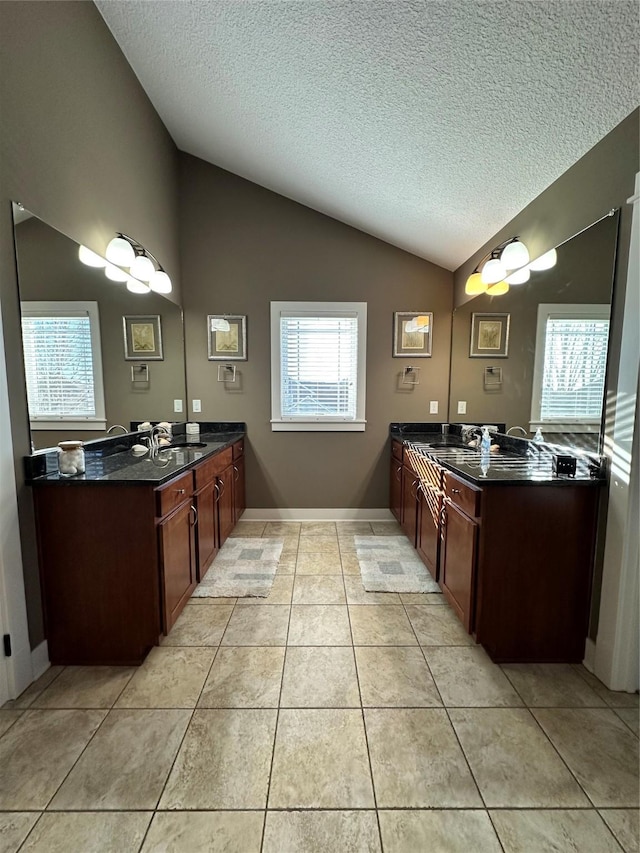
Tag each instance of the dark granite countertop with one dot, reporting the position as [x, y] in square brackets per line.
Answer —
[518, 462]
[123, 468]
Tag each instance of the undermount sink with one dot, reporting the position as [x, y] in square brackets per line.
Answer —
[185, 444]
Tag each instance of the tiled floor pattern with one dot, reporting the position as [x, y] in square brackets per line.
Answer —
[322, 720]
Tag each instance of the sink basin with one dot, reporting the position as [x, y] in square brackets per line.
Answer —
[186, 444]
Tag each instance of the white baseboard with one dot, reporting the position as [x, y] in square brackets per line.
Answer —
[40, 660]
[21, 673]
[268, 514]
[589, 655]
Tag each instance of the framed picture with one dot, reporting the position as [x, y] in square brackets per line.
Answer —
[142, 338]
[227, 335]
[489, 335]
[412, 332]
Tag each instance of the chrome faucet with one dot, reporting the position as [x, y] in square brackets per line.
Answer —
[522, 430]
[117, 426]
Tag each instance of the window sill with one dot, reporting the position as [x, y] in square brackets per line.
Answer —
[318, 426]
[88, 426]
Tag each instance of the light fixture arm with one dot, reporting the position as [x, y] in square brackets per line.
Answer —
[140, 249]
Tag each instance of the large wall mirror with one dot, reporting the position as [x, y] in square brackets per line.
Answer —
[502, 387]
[138, 349]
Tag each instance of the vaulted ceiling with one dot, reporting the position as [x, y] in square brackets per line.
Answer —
[426, 123]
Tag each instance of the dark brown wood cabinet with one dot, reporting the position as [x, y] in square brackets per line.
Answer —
[395, 489]
[177, 561]
[459, 544]
[224, 487]
[205, 501]
[409, 512]
[239, 496]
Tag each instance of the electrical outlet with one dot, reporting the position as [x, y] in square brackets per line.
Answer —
[462, 407]
[196, 405]
[433, 407]
[177, 406]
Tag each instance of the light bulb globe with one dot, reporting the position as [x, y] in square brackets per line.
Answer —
[519, 276]
[91, 259]
[545, 262]
[475, 285]
[114, 273]
[493, 271]
[142, 268]
[135, 286]
[498, 289]
[514, 255]
[160, 282]
[120, 252]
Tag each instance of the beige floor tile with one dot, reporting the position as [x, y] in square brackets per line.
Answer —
[395, 676]
[282, 528]
[386, 528]
[320, 761]
[437, 626]
[37, 753]
[280, 592]
[85, 687]
[318, 528]
[213, 832]
[547, 685]
[14, 828]
[319, 625]
[417, 761]
[318, 564]
[320, 677]
[89, 832]
[467, 677]
[224, 761]
[257, 626]
[385, 625]
[7, 719]
[194, 600]
[613, 698]
[321, 831]
[357, 594]
[199, 626]
[319, 589]
[248, 528]
[170, 677]
[625, 825]
[600, 750]
[350, 564]
[126, 763]
[512, 761]
[422, 598]
[450, 831]
[347, 546]
[631, 717]
[353, 528]
[553, 831]
[244, 677]
[27, 696]
[286, 566]
[327, 545]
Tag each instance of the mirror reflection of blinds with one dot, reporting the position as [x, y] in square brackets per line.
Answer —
[59, 366]
[575, 363]
[319, 366]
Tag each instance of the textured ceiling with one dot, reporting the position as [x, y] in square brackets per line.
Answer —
[427, 124]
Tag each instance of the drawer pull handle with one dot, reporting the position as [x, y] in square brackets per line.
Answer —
[237, 477]
[180, 491]
[455, 491]
[195, 515]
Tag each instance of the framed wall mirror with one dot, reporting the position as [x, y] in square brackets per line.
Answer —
[579, 285]
[74, 348]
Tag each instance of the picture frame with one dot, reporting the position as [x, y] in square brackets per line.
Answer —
[228, 345]
[143, 337]
[410, 343]
[489, 336]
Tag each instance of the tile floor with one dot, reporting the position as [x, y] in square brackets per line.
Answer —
[322, 719]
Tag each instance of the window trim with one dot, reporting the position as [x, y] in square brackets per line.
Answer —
[573, 311]
[316, 423]
[69, 308]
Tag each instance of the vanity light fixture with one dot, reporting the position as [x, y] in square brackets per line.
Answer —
[218, 324]
[418, 324]
[545, 262]
[91, 259]
[135, 286]
[128, 261]
[503, 266]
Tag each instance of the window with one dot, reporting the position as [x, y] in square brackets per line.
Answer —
[63, 365]
[570, 367]
[318, 360]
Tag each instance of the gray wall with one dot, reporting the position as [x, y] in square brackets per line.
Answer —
[243, 247]
[81, 147]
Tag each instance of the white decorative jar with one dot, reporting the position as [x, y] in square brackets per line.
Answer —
[70, 458]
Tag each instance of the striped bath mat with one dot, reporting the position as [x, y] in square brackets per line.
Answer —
[244, 568]
[390, 564]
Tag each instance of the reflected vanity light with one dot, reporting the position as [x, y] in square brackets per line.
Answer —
[418, 324]
[505, 265]
[128, 261]
[218, 324]
[91, 259]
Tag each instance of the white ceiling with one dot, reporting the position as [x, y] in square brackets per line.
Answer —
[426, 123]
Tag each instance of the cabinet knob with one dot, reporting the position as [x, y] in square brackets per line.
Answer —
[455, 491]
[180, 491]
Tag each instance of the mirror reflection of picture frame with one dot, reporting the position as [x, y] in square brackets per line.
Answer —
[227, 337]
[409, 342]
[489, 336]
[142, 337]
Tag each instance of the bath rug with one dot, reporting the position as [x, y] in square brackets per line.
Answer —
[390, 564]
[243, 568]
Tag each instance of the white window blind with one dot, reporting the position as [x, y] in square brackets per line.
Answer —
[318, 365]
[61, 345]
[571, 364]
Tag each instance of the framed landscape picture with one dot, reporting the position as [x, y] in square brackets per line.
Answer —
[227, 336]
[142, 338]
[489, 335]
[412, 332]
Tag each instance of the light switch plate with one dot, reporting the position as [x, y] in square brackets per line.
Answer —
[196, 405]
[433, 407]
[462, 407]
[177, 405]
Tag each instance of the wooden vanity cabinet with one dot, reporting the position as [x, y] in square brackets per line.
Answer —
[239, 491]
[409, 512]
[395, 480]
[459, 536]
[226, 515]
[178, 561]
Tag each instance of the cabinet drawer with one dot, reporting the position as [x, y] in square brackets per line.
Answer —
[238, 449]
[463, 495]
[207, 471]
[396, 449]
[171, 495]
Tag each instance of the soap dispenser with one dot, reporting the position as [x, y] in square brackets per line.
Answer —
[538, 435]
[485, 444]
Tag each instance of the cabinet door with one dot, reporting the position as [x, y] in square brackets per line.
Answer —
[409, 514]
[207, 527]
[395, 490]
[428, 535]
[224, 482]
[239, 500]
[177, 545]
[460, 535]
